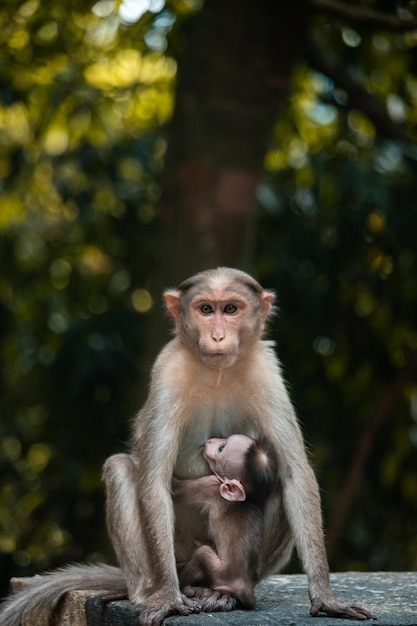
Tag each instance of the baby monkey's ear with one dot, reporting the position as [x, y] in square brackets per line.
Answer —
[232, 490]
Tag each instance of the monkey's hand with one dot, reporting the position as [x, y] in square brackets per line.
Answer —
[210, 600]
[334, 608]
[156, 609]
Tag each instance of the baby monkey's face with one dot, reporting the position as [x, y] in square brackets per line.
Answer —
[225, 457]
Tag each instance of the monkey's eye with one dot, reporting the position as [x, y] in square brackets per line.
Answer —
[206, 309]
[230, 309]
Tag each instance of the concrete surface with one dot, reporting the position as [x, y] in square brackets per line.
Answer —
[283, 600]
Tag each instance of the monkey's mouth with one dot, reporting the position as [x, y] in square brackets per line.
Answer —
[218, 354]
[218, 359]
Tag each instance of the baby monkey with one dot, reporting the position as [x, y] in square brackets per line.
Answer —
[244, 474]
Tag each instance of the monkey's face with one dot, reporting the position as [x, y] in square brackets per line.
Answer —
[226, 457]
[224, 321]
[218, 326]
[219, 314]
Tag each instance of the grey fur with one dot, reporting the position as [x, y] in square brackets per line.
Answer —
[46, 590]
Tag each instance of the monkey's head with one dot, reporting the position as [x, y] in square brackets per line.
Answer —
[246, 468]
[226, 459]
[260, 470]
[219, 314]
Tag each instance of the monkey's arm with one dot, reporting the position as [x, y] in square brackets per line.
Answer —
[307, 527]
[303, 510]
[196, 490]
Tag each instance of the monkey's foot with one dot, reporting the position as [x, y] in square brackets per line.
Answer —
[210, 601]
[334, 608]
[154, 612]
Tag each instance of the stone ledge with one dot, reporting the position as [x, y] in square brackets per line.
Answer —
[281, 600]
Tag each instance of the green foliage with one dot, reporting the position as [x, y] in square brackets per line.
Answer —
[82, 99]
[338, 241]
[85, 93]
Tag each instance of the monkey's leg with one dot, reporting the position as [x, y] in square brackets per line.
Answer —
[132, 549]
[228, 576]
[195, 571]
[123, 522]
[201, 570]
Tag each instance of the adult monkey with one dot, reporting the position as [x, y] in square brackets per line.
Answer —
[215, 378]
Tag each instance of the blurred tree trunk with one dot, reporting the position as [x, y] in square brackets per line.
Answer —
[233, 77]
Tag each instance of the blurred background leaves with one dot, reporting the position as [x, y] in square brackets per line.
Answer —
[113, 115]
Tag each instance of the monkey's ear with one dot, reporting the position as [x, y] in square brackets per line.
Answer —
[172, 302]
[232, 490]
[268, 298]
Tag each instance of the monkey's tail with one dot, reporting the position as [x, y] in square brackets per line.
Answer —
[45, 591]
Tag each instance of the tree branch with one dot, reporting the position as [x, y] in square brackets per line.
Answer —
[363, 16]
